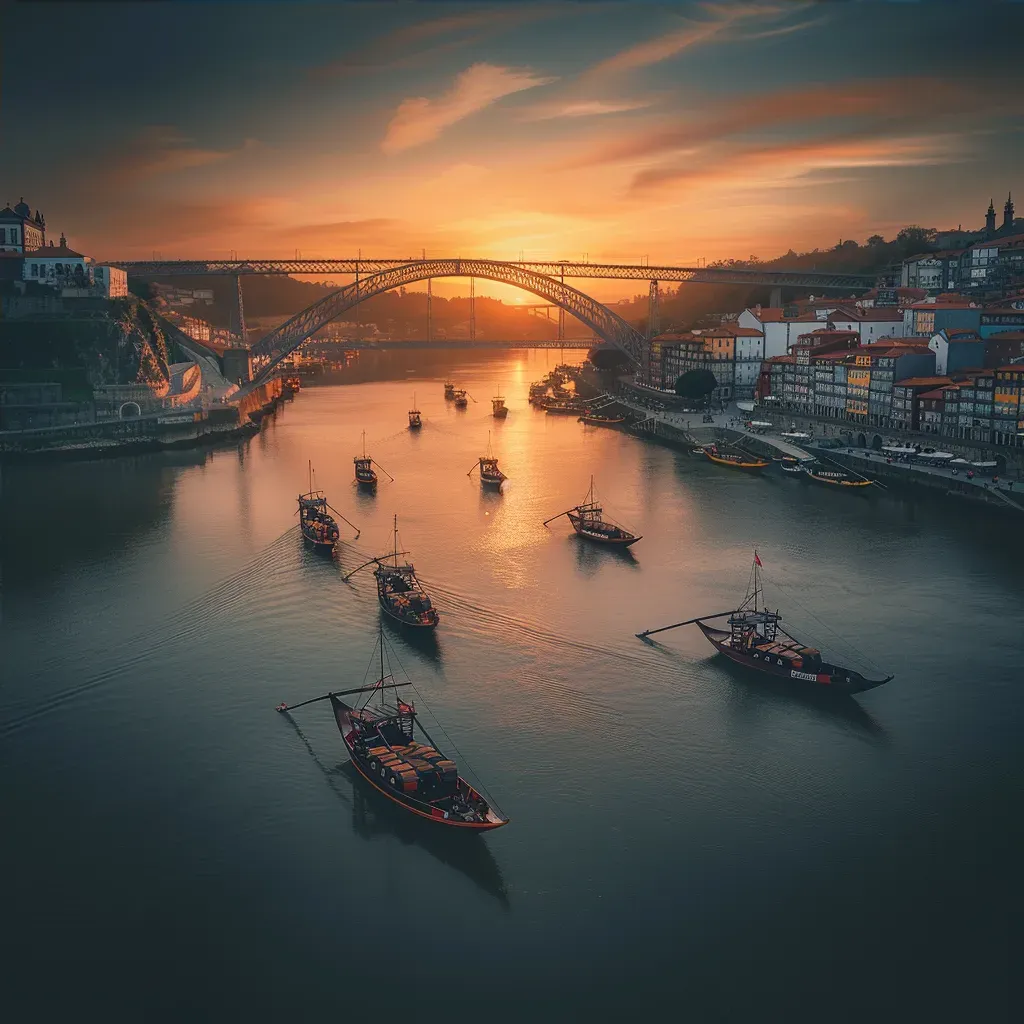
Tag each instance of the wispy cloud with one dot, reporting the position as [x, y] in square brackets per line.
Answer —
[760, 166]
[584, 108]
[163, 149]
[427, 40]
[419, 119]
[719, 20]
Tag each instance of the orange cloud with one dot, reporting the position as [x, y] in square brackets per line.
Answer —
[163, 149]
[584, 108]
[419, 119]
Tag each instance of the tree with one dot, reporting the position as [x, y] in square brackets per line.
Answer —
[875, 240]
[696, 384]
[915, 238]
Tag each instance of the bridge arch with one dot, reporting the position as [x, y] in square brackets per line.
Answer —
[280, 343]
[129, 410]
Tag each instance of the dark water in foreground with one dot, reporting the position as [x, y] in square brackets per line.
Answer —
[685, 840]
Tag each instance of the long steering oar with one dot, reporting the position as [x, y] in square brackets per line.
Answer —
[337, 693]
[344, 520]
[676, 625]
[559, 516]
[383, 470]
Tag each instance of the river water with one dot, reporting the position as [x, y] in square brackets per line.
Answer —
[684, 840]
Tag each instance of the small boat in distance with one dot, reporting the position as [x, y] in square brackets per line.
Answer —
[365, 475]
[317, 525]
[293, 384]
[756, 640]
[380, 742]
[415, 420]
[461, 398]
[449, 390]
[498, 408]
[400, 594]
[589, 521]
[738, 459]
[490, 475]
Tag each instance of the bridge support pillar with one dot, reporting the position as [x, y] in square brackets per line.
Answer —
[561, 316]
[776, 297]
[472, 309]
[430, 311]
[240, 312]
[653, 312]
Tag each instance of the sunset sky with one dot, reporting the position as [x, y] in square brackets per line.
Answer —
[619, 130]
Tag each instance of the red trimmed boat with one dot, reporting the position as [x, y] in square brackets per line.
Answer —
[490, 475]
[380, 742]
[589, 521]
[756, 640]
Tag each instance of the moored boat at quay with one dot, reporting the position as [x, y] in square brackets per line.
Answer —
[736, 458]
[380, 741]
[834, 476]
[597, 420]
[756, 640]
[590, 523]
[565, 406]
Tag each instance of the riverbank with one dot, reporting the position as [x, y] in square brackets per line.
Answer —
[684, 431]
[134, 435]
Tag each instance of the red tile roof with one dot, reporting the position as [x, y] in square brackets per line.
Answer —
[938, 393]
[922, 382]
[732, 332]
[883, 313]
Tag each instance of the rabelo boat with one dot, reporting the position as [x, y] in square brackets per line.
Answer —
[366, 476]
[415, 419]
[379, 736]
[400, 594]
[490, 474]
[449, 390]
[498, 408]
[461, 398]
[316, 523]
[589, 521]
[756, 640]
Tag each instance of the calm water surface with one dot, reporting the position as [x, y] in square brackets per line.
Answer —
[685, 839]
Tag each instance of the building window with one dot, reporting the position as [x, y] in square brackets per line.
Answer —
[35, 269]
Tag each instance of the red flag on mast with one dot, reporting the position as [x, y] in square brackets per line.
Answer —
[757, 560]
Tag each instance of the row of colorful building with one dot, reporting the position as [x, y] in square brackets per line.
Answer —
[943, 365]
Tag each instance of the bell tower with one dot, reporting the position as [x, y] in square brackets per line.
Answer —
[1008, 213]
[990, 218]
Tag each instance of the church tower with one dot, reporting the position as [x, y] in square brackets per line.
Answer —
[990, 218]
[1008, 213]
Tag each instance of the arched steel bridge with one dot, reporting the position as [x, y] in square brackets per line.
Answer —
[280, 343]
[560, 269]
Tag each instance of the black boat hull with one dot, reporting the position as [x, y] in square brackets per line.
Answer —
[833, 677]
[342, 714]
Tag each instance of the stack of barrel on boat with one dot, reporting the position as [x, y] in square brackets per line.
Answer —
[414, 766]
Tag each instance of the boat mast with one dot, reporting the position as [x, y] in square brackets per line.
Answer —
[396, 544]
[757, 577]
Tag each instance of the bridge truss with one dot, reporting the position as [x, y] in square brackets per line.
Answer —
[571, 269]
[280, 343]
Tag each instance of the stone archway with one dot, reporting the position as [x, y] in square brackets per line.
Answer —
[129, 410]
[876, 442]
[862, 441]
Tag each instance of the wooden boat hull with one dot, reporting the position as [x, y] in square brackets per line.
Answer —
[342, 714]
[500, 414]
[599, 421]
[845, 485]
[835, 678]
[624, 540]
[492, 481]
[367, 483]
[755, 464]
[386, 608]
[319, 546]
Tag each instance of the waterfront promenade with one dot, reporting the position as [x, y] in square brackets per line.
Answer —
[1007, 489]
